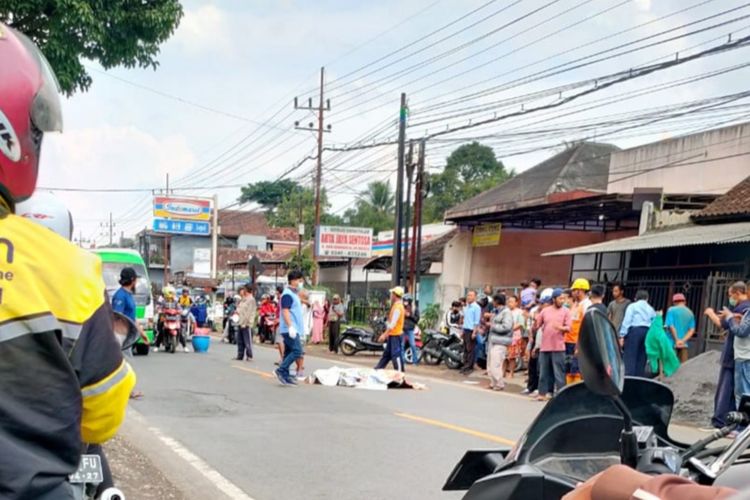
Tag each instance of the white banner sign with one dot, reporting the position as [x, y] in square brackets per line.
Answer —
[348, 242]
[202, 261]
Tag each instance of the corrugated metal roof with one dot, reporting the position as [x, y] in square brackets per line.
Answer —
[679, 237]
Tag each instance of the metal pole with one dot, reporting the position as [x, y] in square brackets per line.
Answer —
[215, 240]
[318, 176]
[396, 265]
[348, 278]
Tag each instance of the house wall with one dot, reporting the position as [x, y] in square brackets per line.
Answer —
[518, 257]
[181, 251]
[683, 165]
[252, 242]
[335, 279]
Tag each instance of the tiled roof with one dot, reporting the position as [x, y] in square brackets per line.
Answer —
[227, 255]
[236, 222]
[282, 234]
[733, 206]
[581, 168]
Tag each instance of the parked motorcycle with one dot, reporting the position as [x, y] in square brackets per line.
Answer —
[233, 327]
[355, 339]
[432, 352]
[624, 420]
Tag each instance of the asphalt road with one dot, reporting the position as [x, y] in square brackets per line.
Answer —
[213, 421]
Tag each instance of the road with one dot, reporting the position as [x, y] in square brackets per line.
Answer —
[230, 425]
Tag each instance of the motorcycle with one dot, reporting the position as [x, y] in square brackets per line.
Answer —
[172, 326]
[408, 355]
[187, 322]
[432, 352]
[624, 420]
[93, 469]
[355, 339]
[233, 327]
[267, 328]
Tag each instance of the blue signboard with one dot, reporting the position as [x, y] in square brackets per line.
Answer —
[196, 228]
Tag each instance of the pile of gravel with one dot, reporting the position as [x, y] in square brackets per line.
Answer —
[694, 386]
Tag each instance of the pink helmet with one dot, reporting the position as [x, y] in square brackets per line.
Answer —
[29, 106]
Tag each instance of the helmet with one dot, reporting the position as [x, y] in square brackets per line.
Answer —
[168, 291]
[581, 284]
[49, 211]
[29, 106]
[546, 296]
[408, 297]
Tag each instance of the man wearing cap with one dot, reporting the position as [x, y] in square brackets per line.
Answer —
[555, 322]
[124, 303]
[680, 323]
[393, 333]
[581, 302]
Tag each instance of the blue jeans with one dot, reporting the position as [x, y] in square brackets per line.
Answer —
[392, 353]
[292, 352]
[724, 399]
[741, 379]
[409, 337]
[552, 368]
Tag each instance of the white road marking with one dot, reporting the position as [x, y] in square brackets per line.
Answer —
[224, 484]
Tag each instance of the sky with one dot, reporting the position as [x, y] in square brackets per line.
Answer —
[218, 110]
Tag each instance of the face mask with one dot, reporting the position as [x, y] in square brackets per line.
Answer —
[732, 301]
[566, 305]
[301, 285]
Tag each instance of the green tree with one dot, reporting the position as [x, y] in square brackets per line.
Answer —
[269, 194]
[113, 33]
[287, 212]
[303, 261]
[469, 170]
[375, 208]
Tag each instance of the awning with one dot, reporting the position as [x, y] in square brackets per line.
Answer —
[679, 237]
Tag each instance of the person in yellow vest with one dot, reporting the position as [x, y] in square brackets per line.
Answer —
[581, 302]
[394, 331]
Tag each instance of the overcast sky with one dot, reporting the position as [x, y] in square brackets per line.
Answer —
[247, 60]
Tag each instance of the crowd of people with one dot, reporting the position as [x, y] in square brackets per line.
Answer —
[539, 328]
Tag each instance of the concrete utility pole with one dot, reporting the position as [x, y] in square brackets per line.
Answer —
[409, 242]
[320, 109]
[396, 260]
[419, 195]
[215, 240]
[108, 228]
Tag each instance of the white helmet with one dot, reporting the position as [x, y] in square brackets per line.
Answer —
[46, 209]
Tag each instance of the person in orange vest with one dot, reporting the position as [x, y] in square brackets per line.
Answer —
[581, 302]
[394, 331]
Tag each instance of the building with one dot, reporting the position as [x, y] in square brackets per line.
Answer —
[699, 253]
[238, 229]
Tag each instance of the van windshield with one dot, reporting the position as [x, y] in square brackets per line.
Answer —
[111, 272]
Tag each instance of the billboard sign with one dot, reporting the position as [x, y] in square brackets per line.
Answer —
[182, 227]
[486, 235]
[182, 208]
[202, 261]
[347, 242]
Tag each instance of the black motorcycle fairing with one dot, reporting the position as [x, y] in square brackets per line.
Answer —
[473, 465]
[519, 483]
[595, 434]
[649, 402]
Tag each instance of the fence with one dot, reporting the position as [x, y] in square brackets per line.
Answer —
[361, 311]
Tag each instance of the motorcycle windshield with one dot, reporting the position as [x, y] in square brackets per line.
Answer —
[594, 416]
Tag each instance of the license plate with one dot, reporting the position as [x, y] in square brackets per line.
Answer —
[89, 470]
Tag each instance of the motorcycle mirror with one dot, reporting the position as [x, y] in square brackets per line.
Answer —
[125, 330]
[599, 355]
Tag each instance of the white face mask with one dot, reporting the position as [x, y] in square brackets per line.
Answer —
[301, 285]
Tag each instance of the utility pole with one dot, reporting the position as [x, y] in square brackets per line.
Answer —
[215, 240]
[300, 231]
[323, 106]
[419, 199]
[108, 229]
[166, 245]
[396, 260]
[409, 242]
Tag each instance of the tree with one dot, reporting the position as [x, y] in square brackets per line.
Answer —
[469, 170]
[113, 33]
[303, 262]
[374, 208]
[287, 212]
[269, 194]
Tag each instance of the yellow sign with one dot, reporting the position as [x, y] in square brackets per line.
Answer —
[486, 235]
